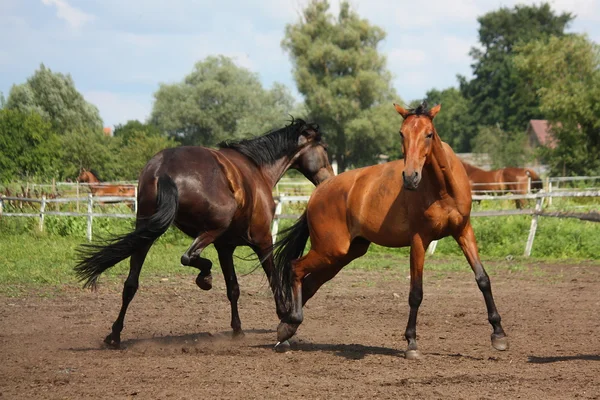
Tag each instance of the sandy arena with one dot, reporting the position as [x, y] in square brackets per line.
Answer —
[177, 344]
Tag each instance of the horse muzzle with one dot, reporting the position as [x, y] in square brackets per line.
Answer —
[411, 181]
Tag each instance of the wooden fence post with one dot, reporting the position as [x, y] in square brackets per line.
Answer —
[90, 217]
[533, 228]
[42, 210]
[1, 204]
[135, 202]
[77, 191]
[549, 191]
[275, 228]
[528, 183]
[432, 246]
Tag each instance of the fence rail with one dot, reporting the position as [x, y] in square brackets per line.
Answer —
[535, 212]
[90, 214]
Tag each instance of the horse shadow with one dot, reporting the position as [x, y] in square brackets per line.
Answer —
[347, 351]
[553, 359]
[200, 338]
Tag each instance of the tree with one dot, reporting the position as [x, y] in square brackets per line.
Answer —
[506, 149]
[90, 150]
[567, 72]
[498, 94]
[455, 123]
[54, 97]
[219, 100]
[139, 143]
[344, 80]
[28, 146]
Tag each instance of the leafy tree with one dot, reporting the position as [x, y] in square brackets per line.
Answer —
[344, 80]
[2, 101]
[506, 149]
[455, 123]
[54, 97]
[219, 100]
[134, 128]
[567, 72]
[90, 150]
[139, 142]
[498, 93]
[28, 146]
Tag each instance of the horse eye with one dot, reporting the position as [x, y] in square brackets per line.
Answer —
[429, 136]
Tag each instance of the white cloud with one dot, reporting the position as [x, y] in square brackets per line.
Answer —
[74, 17]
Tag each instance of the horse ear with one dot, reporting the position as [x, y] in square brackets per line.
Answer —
[401, 110]
[433, 112]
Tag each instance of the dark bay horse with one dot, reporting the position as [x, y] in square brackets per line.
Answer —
[99, 188]
[215, 196]
[505, 180]
[408, 202]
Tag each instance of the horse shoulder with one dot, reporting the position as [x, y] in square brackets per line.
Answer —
[233, 176]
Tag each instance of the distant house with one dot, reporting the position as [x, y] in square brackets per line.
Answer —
[107, 131]
[538, 134]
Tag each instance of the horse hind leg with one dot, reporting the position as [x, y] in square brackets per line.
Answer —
[130, 287]
[192, 258]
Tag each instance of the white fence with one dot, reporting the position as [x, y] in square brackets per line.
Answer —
[90, 214]
[535, 212]
[553, 185]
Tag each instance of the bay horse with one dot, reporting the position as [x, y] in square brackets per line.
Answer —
[504, 180]
[408, 202]
[99, 188]
[219, 196]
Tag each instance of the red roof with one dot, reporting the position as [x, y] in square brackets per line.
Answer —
[107, 131]
[541, 129]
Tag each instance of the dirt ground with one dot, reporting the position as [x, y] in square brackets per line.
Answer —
[176, 342]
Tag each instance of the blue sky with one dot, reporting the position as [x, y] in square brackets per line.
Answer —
[118, 51]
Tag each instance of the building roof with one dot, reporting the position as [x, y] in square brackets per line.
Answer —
[107, 131]
[541, 129]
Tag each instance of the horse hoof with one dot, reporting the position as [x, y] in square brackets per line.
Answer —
[413, 355]
[112, 342]
[286, 331]
[500, 343]
[204, 282]
[237, 335]
[282, 347]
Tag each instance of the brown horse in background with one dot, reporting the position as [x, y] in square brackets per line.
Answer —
[223, 196]
[503, 181]
[408, 202]
[99, 188]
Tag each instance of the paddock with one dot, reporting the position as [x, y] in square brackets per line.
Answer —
[177, 341]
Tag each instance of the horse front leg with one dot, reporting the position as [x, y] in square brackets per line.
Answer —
[417, 260]
[468, 244]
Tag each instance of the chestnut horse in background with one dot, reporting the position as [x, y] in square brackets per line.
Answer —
[503, 181]
[408, 202]
[223, 196]
[99, 188]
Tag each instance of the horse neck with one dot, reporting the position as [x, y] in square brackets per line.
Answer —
[273, 172]
[447, 183]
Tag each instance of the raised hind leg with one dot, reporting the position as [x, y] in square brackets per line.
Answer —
[192, 257]
[129, 289]
[417, 259]
[233, 288]
[468, 244]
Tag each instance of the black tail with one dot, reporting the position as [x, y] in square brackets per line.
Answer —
[287, 249]
[94, 259]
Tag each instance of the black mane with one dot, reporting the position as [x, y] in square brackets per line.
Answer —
[93, 171]
[421, 109]
[273, 145]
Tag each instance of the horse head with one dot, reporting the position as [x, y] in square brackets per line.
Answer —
[311, 159]
[417, 133]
